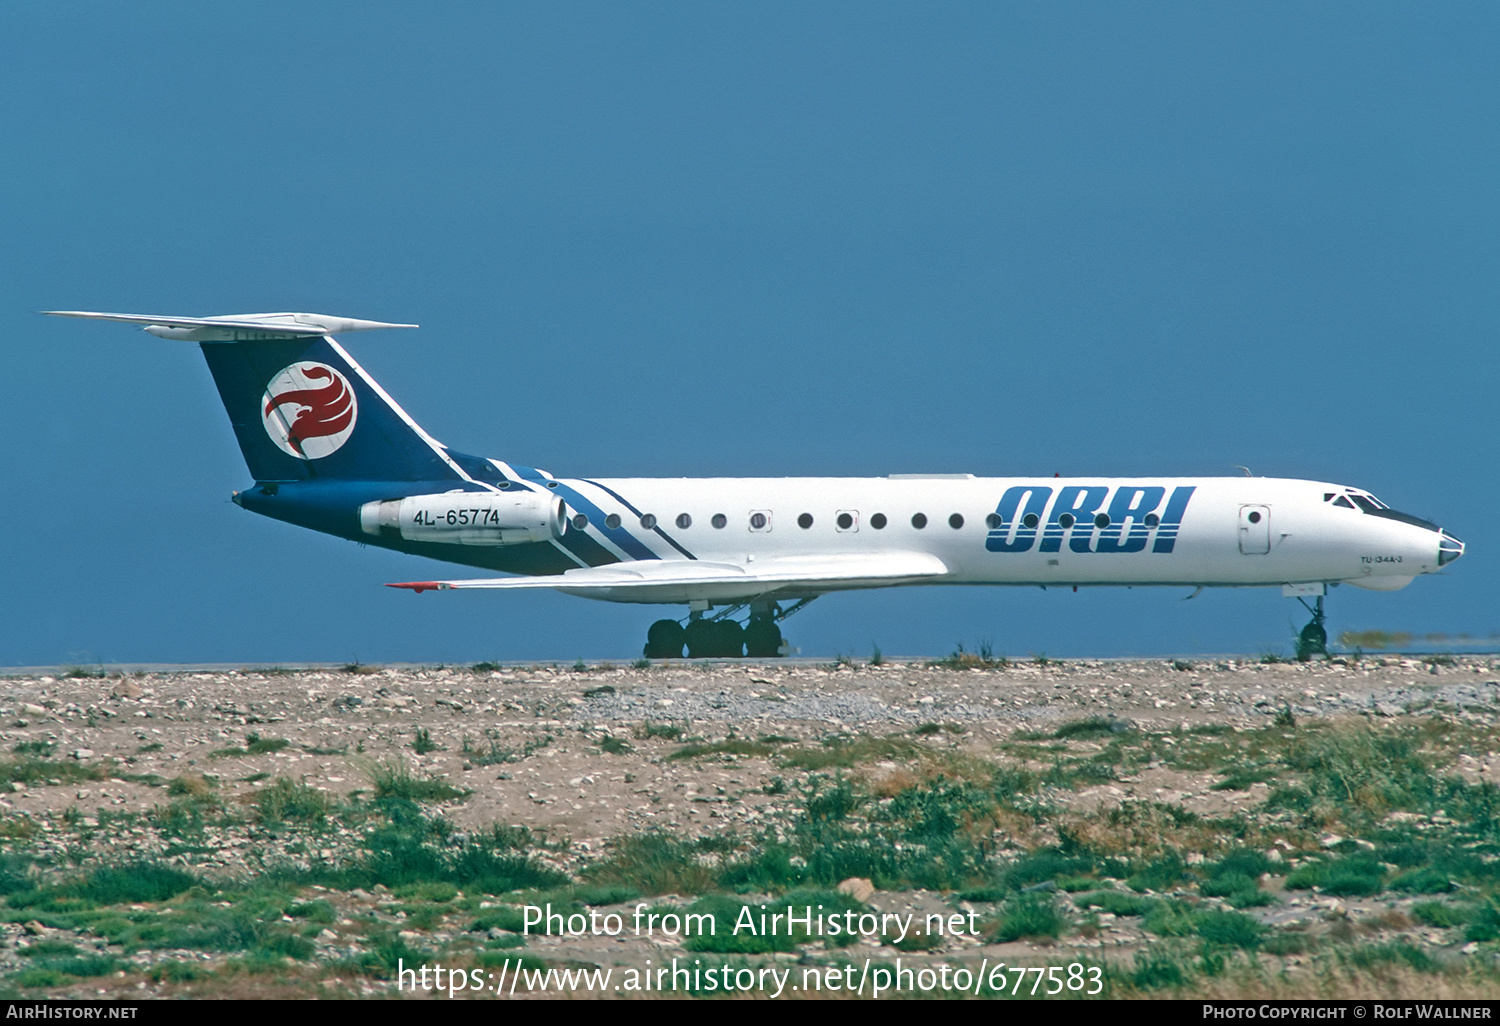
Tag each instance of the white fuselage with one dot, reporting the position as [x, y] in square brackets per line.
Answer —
[1239, 531]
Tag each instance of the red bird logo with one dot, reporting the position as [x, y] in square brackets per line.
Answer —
[320, 411]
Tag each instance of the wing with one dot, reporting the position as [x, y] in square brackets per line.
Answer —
[682, 580]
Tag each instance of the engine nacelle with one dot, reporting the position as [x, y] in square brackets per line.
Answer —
[467, 518]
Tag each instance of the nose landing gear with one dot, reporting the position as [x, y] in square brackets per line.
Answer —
[1313, 639]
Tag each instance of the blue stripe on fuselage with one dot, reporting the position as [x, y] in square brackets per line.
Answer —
[586, 548]
[627, 542]
[638, 514]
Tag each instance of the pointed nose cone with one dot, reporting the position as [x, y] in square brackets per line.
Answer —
[1449, 549]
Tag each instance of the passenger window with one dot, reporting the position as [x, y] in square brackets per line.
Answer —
[720, 520]
[684, 521]
[1031, 520]
[956, 521]
[758, 521]
[580, 521]
[805, 521]
[612, 521]
[1066, 520]
[919, 520]
[648, 522]
[877, 521]
[845, 521]
[993, 521]
[1152, 519]
[1102, 520]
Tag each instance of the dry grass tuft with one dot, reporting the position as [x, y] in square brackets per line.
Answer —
[190, 785]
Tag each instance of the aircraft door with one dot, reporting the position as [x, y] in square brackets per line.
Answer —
[1255, 530]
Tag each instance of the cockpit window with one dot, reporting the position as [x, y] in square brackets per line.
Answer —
[1366, 503]
[1355, 500]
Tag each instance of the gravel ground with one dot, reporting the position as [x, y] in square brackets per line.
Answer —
[532, 745]
[569, 787]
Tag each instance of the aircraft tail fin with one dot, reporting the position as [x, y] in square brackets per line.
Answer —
[301, 407]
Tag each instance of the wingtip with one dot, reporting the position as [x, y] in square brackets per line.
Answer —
[420, 586]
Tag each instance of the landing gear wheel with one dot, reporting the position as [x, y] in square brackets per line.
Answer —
[715, 639]
[730, 638]
[1313, 639]
[665, 640]
[700, 636]
[763, 639]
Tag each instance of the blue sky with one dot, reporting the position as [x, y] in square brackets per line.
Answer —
[753, 239]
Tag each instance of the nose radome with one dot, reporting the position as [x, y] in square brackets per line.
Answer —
[1449, 549]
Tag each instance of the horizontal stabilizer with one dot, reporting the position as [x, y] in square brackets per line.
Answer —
[655, 578]
[236, 327]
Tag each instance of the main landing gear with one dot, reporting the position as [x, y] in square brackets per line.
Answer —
[722, 636]
[1313, 639]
